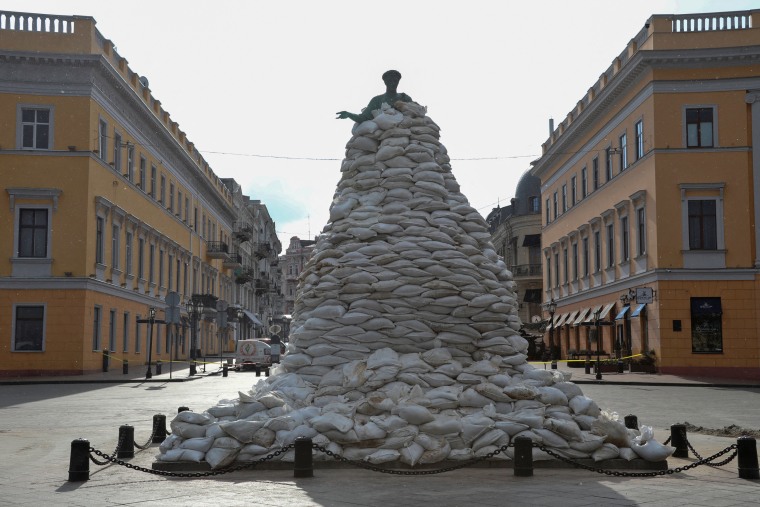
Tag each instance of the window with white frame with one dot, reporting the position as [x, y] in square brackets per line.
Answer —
[28, 328]
[639, 139]
[141, 258]
[125, 333]
[585, 256]
[584, 183]
[34, 128]
[153, 175]
[102, 139]
[608, 164]
[573, 191]
[130, 162]
[564, 198]
[565, 266]
[575, 261]
[610, 245]
[117, 151]
[548, 213]
[162, 197]
[129, 240]
[138, 335]
[703, 227]
[97, 316]
[143, 169]
[597, 251]
[623, 152]
[641, 232]
[625, 253]
[100, 225]
[556, 269]
[112, 330]
[595, 172]
[33, 232]
[115, 246]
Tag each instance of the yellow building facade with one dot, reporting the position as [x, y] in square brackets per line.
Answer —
[649, 191]
[106, 208]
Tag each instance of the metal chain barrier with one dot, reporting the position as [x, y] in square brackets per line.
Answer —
[112, 456]
[164, 473]
[699, 457]
[146, 445]
[669, 471]
[374, 468]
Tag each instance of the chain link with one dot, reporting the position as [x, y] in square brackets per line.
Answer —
[669, 471]
[113, 455]
[150, 439]
[165, 473]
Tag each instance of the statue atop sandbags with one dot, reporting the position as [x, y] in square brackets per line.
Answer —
[391, 79]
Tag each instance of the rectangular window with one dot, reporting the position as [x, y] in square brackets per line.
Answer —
[100, 225]
[29, 328]
[556, 207]
[703, 225]
[641, 227]
[162, 196]
[564, 198]
[96, 320]
[639, 139]
[130, 162]
[584, 183]
[141, 258]
[556, 269]
[203, 226]
[195, 220]
[548, 272]
[115, 246]
[153, 181]
[573, 191]
[102, 139]
[128, 253]
[625, 253]
[117, 151]
[176, 280]
[699, 127]
[187, 207]
[585, 257]
[170, 265]
[595, 172]
[565, 266]
[535, 206]
[160, 267]
[548, 212]
[138, 336]
[142, 174]
[33, 233]
[575, 261]
[35, 128]
[706, 325]
[151, 263]
[623, 152]
[610, 245]
[597, 251]
[608, 164]
[171, 197]
[184, 280]
[112, 331]
[179, 203]
[125, 333]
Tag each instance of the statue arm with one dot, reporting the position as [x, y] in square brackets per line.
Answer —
[366, 113]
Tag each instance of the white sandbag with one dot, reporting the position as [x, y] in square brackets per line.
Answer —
[583, 405]
[171, 442]
[569, 389]
[389, 423]
[263, 437]
[411, 454]
[436, 357]
[492, 391]
[465, 454]
[223, 410]
[442, 425]
[567, 429]
[174, 455]
[472, 398]
[364, 128]
[606, 451]
[415, 414]
[383, 456]
[400, 437]
[521, 392]
[369, 431]
[241, 430]
[201, 444]
[435, 454]
[187, 430]
[383, 357]
[332, 421]
[220, 457]
[187, 416]
[551, 396]
[607, 424]
[491, 437]
[551, 439]
[215, 431]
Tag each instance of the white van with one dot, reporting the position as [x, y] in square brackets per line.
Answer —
[253, 355]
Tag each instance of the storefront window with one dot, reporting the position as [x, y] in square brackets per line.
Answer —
[706, 325]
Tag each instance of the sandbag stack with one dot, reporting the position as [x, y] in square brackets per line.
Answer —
[404, 345]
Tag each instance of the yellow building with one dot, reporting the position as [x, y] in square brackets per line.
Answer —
[649, 187]
[106, 207]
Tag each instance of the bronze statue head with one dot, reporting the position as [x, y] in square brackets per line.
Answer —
[393, 75]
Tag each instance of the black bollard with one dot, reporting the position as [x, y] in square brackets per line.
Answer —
[125, 367]
[159, 428]
[224, 370]
[158, 367]
[587, 367]
[746, 448]
[302, 464]
[126, 442]
[620, 366]
[79, 462]
[105, 360]
[183, 409]
[266, 372]
[678, 440]
[523, 460]
[192, 368]
[631, 422]
[258, 370]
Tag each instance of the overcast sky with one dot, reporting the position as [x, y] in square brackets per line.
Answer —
[255, 85]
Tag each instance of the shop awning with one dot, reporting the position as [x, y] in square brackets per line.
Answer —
[621, 314]
[580, 317]
[571, 318]
[252, 318]
[561, 320]
[592, 313]
[606, 310]
[532, 240]
[638, 310]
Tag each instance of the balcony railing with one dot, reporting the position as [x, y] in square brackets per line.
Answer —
[261, 285]
[243, 231]
[217, 249]
[712, 21]
[27, 22]
[263, 250]
[244, 275]
[526, 270]
[233, 260]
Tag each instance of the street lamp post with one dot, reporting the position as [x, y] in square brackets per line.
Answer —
[597, 326]
[551, 307]
[151, 321]
[194, 309]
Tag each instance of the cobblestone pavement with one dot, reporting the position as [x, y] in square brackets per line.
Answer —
[40, 418]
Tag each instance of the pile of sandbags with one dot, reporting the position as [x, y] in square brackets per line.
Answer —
[404, 342]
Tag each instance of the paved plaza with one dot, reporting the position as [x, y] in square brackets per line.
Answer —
[40, 418]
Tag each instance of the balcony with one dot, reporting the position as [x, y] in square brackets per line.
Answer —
[242, 231]
[526, 270]
[233, 260]
[217, 250]
[262, 250]
[244, 275]
[261, 285]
